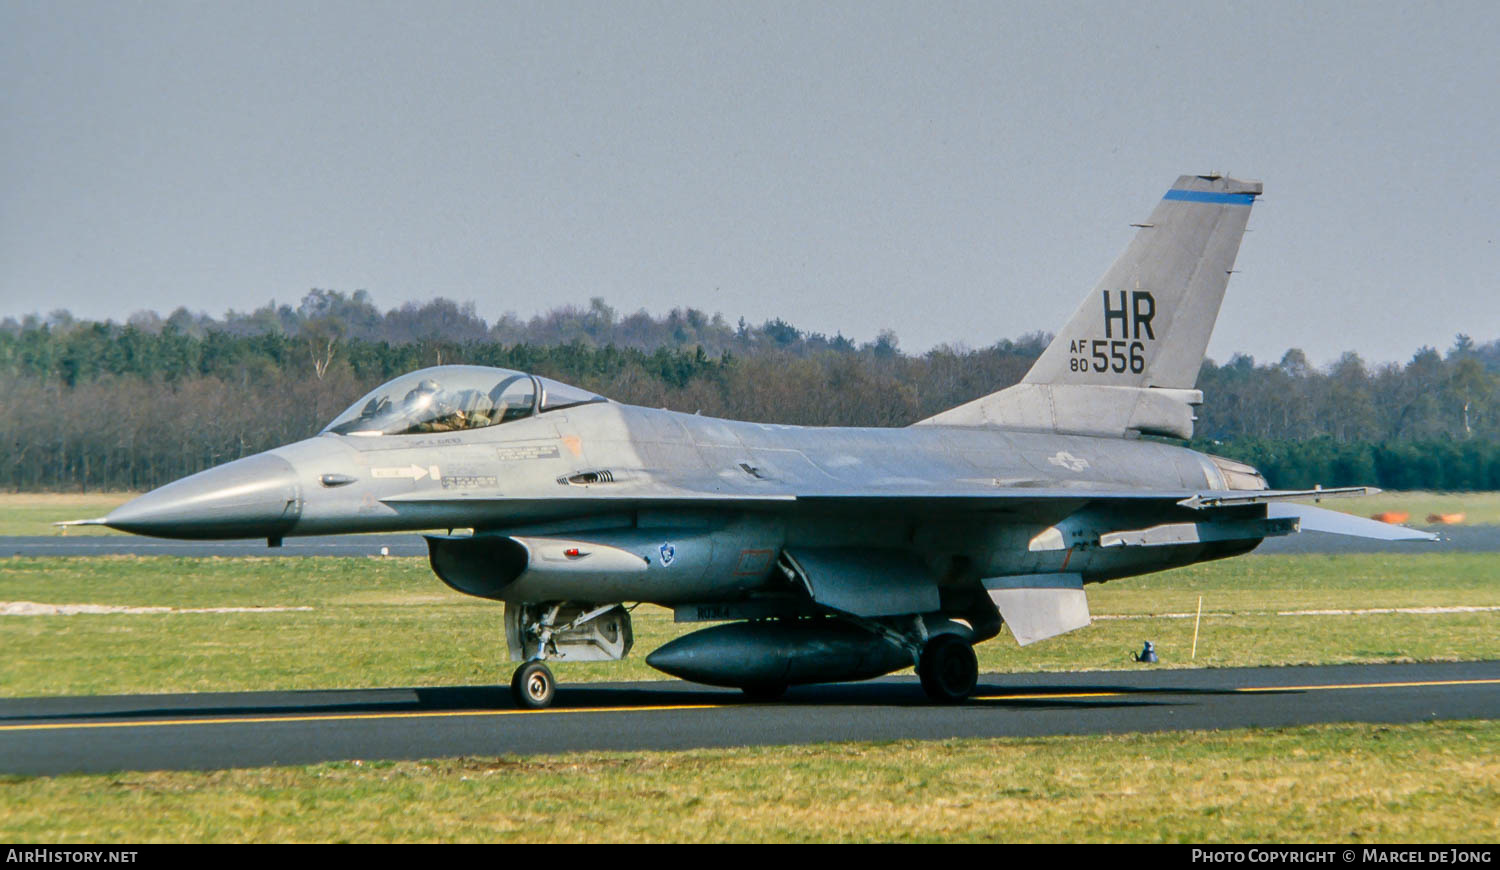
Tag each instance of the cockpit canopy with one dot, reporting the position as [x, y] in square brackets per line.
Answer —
[455, 398]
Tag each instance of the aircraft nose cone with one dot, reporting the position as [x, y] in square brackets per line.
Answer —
[254, 497]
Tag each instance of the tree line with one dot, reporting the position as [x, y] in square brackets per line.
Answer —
[104, 405]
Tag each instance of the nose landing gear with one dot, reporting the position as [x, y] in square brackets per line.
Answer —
[571, 631]
[533, 686]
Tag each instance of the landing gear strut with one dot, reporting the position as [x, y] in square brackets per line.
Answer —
[533, 685]
[948, 669]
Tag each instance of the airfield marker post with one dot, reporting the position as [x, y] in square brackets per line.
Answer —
[1196, 621]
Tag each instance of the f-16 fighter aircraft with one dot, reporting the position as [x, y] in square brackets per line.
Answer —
[826, 554]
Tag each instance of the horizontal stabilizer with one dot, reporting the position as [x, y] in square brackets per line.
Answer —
[1316, 519]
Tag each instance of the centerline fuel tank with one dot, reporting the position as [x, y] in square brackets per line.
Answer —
[780, 653]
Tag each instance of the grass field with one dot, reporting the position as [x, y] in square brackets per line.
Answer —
[389, 622]
[1430, 782]
[33, 513]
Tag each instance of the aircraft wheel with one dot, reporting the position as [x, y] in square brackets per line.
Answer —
[533, 686]
[948, 669]
[764, 692]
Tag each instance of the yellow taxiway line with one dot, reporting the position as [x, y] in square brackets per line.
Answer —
[337, 717]
[454, 714]
[1041, 696]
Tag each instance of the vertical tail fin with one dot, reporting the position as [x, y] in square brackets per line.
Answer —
[1148, 320]
[1127, 360]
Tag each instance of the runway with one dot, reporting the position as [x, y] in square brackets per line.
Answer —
[42, 736]
[1456, 539]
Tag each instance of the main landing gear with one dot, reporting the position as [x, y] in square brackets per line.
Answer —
[533, 685]
[948, 669]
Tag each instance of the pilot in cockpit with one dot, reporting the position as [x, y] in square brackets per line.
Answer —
[429, 404]
[457, 399]
[440, 410]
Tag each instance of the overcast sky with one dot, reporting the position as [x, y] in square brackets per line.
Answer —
[959, 173]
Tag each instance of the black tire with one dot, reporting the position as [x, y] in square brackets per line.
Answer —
[533, 687]
[948, 669]
[764, 692]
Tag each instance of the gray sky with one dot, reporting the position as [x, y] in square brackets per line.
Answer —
[956, 172]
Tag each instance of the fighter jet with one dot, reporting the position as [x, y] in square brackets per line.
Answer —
[824, 554]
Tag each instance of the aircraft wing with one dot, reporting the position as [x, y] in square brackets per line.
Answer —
[968, 496]
[1022, 504]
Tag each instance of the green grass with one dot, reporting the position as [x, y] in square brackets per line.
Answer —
[1429, 782]
[389, 622]
[33, 513]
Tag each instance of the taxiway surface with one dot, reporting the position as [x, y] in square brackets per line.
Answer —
[222, 730]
